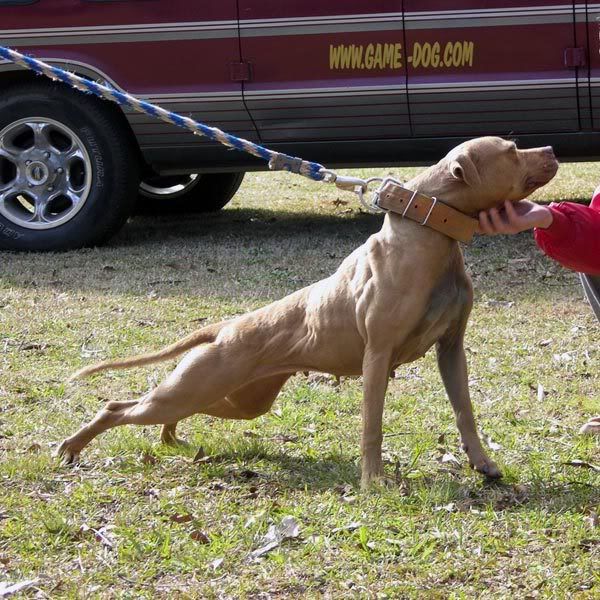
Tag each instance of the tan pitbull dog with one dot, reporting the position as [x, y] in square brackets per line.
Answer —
[391, 300]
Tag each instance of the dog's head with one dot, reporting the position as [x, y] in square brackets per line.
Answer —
[484, 172]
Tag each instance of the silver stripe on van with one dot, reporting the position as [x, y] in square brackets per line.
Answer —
[290, 26]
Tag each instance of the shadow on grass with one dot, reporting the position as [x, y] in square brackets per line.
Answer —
[255, 224]
[338, 473]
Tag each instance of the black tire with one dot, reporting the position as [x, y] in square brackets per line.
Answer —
[111, 168]
[196, 194]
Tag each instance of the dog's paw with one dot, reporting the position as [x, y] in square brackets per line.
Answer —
[376, 482]
[592, 426]
[175, 441]
[486, 467]
[375, 478]
[67, 454]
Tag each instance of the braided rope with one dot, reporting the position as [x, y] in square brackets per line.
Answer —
[277, 160]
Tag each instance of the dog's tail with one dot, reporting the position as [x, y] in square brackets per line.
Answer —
[203, 336]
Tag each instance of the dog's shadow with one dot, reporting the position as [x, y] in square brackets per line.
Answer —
[455, 491]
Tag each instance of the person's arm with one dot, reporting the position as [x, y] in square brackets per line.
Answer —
[567, 232]
[573, 237]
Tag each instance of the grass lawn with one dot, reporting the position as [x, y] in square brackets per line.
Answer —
[139, 520]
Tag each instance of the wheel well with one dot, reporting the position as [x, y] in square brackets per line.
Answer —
[17, 77]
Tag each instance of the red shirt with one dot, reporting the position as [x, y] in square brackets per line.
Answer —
[573, 239]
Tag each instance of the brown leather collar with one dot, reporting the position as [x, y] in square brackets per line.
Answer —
[425, 210]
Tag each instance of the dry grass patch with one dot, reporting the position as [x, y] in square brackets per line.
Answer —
[140, 520]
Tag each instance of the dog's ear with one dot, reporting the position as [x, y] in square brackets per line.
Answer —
[463, 168]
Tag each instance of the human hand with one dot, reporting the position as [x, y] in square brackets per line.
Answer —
[514, 217]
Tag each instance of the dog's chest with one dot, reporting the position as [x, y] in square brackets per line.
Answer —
[446, 306]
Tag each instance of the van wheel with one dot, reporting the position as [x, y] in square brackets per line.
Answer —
[68, 169]
[194, 193]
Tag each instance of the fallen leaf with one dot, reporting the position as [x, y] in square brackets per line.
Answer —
[252, 493]
[544, 343]
[541, 393]
[200, 536]
[350, 527]
[500, 303]
[448, 457]
[492, 445]
[285, 438]
[34, 448]
[450, 507]
[251, 434]
[148, 459]
[199, 455]
[199, 320]
[289, 528]
[101, 535]
[8, 589]
[315, 379]
[144, 323]
[583, 464]
[215, 564]
[592, 521]
[339, 202]
[264, 549]
[33, 346]
[589, 543]
[183, 518]
[563, 358]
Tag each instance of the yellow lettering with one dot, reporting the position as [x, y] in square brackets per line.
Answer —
[426, 58]
[373, 56]
[357, 52]
[378, 61]
[388, 55]
[457, 54]
[397, 56]
[334, 56]
[416, 55]
[369, 56]
[435, 55]
[448, 55]
[468, 51]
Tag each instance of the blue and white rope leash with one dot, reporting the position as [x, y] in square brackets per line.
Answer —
[277, 160]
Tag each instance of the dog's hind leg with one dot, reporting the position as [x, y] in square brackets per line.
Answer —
[250, 400]
[255, 398]
[108, 416]
[153, 409]
[247, 402]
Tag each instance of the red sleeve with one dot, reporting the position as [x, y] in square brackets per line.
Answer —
[573, 239]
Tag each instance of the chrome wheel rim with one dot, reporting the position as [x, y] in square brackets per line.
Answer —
[172, 187]
[45, 173]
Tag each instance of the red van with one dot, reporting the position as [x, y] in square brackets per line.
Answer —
[358, 82]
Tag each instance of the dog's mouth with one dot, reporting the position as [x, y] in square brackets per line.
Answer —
[542, 177]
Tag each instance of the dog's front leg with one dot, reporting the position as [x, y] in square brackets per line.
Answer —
[376, 372]
[452, 363]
